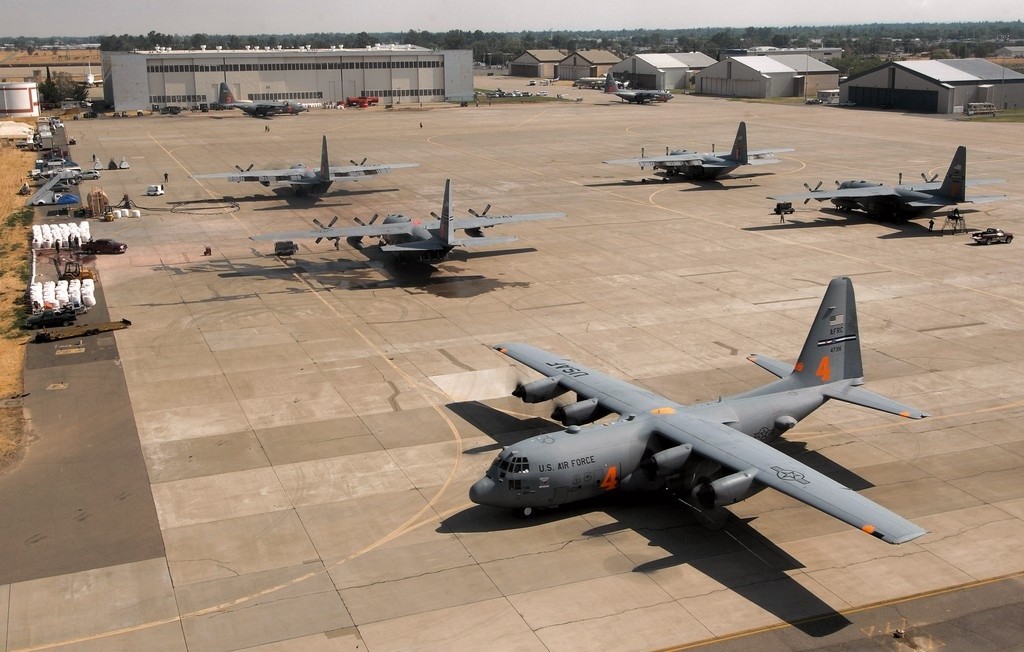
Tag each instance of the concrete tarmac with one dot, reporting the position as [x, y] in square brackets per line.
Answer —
[310, 427]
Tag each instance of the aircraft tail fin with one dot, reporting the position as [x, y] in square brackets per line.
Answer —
[445, 230]
[226, 96]
[954, 185]
[832, 349]
[609, 84]
[325, 163]
[739, 146]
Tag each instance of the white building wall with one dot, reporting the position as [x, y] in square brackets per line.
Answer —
[137, 80]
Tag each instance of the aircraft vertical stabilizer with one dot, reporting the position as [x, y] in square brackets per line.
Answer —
[739, 146]
[325, 164]
[832, 350]
[954, 186]
[609, 84]
[445, 227]
[226, 96]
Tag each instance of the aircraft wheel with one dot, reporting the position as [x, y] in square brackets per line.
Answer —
[1009, 239]
[524, 512]
[644, 180]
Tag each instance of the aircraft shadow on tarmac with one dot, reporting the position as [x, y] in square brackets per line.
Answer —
[287, 195]
[696, 184]
[445, 280]
[738, 557]
[836, 219]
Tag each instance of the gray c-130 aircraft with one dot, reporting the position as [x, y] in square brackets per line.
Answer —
[706, 165]
[715, 453]
[905, 199]
[412, 239]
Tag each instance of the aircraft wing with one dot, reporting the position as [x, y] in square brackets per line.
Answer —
[722, 444]
[495, 220]
[369, 230]
[781, 472]
[664, 161]
[844, 193]
[352, 172]
[288, 174]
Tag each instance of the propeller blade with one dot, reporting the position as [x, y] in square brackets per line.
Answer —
[486, 208]
[251, 166]
[434, 215]
[332, 222]
[473, 213]
[359, 221]
[318, 223]
[374, 218]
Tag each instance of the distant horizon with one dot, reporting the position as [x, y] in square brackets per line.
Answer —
[272, 17]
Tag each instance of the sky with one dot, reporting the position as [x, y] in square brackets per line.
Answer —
[78, 18]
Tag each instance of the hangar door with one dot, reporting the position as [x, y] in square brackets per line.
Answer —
[895, 98]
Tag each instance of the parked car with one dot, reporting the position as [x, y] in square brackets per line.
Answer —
[104, 246]
[50, 318]
[991, 236]
[155, 190]
[89, 175]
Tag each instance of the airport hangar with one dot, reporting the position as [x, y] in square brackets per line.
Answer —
[935, 86]
[395, 73]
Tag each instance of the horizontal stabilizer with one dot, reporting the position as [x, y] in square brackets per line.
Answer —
[985, 200]
[780, 369]
[763, 161]
[483, 242]
[866, 398]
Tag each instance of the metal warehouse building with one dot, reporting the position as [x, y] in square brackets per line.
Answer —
[767, 76]
[670, 70]
[396, 74]
[586, 63]
[536, 63]
[935, 86]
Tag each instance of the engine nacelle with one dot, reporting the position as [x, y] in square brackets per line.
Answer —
[355, 241]
[654, 469]
[669, 461]
[539, 391]
[576, 414]
[726, 491]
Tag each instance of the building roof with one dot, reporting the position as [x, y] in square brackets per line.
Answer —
[764, 64]
[546, 56]
[802, 63]
[960, 70]
[596, 56]
[678, 59]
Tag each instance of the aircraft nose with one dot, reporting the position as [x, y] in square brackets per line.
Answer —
[480, 490]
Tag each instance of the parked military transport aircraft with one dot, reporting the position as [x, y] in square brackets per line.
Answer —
[905, 199]
[717, 453]
[259, 108]
[409, 239]
[304, 180]
[708, 165]
[637, 96]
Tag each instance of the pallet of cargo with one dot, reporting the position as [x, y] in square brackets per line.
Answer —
[79, 330]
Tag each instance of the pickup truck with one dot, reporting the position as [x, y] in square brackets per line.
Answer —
[991, 236]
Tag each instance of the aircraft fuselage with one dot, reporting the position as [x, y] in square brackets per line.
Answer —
[579, 463]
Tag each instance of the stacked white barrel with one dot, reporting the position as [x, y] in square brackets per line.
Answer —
[35, 295]
[88, 288]
[47, 236]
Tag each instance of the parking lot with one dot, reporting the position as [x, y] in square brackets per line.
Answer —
[309, 426]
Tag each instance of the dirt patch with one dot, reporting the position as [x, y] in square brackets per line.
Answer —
[15, 234]
[52, 57]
